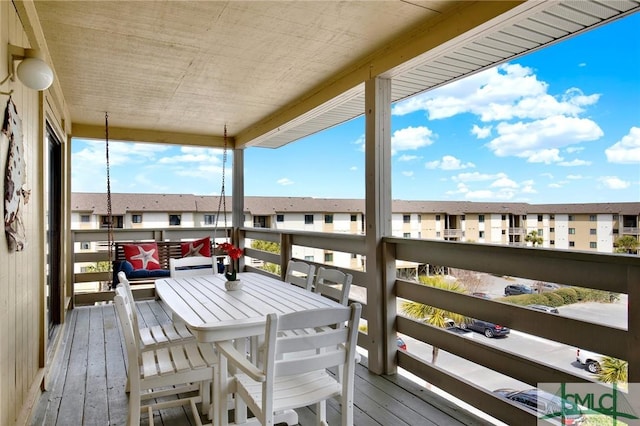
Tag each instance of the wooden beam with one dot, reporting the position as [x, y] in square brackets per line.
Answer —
[147, 135]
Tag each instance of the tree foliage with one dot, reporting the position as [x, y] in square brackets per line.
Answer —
[533, 238]
[430, 314]
[626, 244]
[613, 370]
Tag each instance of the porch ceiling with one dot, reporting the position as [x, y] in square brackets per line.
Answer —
[276, 71]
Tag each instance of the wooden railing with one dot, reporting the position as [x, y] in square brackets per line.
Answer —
[607, 272]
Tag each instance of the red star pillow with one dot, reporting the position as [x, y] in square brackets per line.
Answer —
[142, 256]
[201, 247]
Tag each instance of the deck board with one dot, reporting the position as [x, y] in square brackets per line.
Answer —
[87, 383]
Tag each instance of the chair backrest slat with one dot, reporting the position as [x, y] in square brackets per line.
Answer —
[300, 273]
[334, 284]
[192, 266]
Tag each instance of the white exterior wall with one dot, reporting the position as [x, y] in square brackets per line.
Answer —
[397, 225]
[562, 231]
[495, 223]
[155, 220]
[342, 222]
[546, 234]
[604, 229]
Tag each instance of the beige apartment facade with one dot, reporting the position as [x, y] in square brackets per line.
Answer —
[584, 227]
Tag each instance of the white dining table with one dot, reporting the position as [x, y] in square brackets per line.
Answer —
[214, 314]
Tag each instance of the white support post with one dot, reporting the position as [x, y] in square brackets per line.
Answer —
[380, 268]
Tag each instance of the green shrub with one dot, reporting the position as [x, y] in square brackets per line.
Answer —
[569, 295]
[553, 299]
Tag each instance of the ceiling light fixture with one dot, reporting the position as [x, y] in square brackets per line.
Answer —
[32, 71]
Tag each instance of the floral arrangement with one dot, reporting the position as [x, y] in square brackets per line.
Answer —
[234, 254]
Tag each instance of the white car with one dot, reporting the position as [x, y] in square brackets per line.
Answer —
[590, 360]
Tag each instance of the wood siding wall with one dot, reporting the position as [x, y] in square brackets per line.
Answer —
[22, 283]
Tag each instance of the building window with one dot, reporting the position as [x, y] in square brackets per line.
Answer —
[354, 256]
[504, 232]
[308, 219]
[354, 218]
[572, 244]
[419, 218]
[552, 242]
[437, 217]
[209, 219]
[551, 217]
[136, 218]
[540, 232]
[616, 231]
[308, 258]
[328, 218]
[406, 235]
[593, 245]
[552, 229]
[572, 231]
[481, 218]
[85, 218]
[524, 217]
[260, 222]
[175, 219]
[328, 257]
[570, 218]
[462, 217]
[406, 218]
[438, 234]
[504, 217]
[539, 218]
[84, 245]
[615, 217]
[592, 218]
[279, 218]
[481, 234]
[592, 231]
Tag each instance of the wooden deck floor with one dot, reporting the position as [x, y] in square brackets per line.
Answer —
[88, 380]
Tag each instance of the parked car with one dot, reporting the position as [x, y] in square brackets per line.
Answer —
[590, 360]
[545, 403]
[481, 294]
[488, 328]
[544, 308]
[401, 344]
[515, 289]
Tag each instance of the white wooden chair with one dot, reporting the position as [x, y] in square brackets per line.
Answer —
[192, 266]
[300, 273]
[283, 382]
[171, 370]
[158, 335]
[334, 284]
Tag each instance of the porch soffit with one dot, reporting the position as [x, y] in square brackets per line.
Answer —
[277, 71]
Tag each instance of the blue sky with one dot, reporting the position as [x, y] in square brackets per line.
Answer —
[561, 125]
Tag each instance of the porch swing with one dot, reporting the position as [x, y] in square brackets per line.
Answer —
[165, 249]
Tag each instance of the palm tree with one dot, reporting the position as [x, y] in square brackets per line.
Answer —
[626, 244]
[533, 238]
[613, 370]
[430, 314]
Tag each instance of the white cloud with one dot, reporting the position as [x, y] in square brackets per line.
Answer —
[614, 182]
[475, 177]
[407, 173]
[411, 138]
[627, 149]
[504, 182]
[574, 149]
[448, 162]
[353, 168]
[554, 185]
[461, 188]
[406, 157]
[547, 175]
[539, 140]
[481, 132]
[575, 177]
[574, 163]
[500, 93]
[284, 181]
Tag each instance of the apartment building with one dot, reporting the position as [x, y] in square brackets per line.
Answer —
[585, 227]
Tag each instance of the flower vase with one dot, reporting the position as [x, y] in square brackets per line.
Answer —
[233, 285]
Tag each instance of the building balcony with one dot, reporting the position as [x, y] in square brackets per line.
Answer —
[522, 367]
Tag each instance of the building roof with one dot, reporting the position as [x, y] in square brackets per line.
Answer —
[122, 203]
